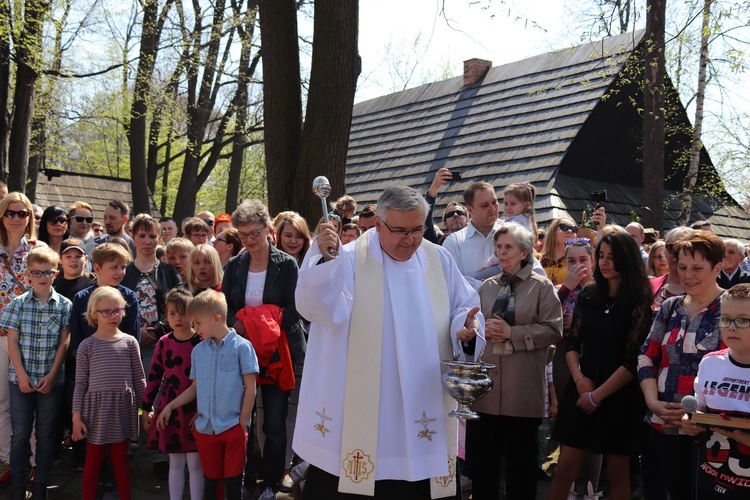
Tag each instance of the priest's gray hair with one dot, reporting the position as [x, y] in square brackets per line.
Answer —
[251, 212]
[401, 198]
[524, 238]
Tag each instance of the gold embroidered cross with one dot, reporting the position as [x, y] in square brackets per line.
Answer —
[321, 426]
[426, 432]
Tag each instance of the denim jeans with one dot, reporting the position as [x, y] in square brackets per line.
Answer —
[24, 408]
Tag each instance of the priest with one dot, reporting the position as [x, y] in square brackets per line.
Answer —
[373, 416]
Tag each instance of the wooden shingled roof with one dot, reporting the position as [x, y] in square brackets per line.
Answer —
[64, 188]
[541, 120]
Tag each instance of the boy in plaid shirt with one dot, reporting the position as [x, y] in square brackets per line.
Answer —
[38, 329]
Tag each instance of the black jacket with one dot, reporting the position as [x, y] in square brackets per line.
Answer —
[166, 277]
[279, 287]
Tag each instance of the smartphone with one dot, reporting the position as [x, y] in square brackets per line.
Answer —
[455, 176]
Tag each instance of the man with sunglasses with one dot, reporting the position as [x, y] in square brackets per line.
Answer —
[455, 218]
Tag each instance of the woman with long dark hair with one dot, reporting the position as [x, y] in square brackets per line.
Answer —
[602, 405]
[53, 228]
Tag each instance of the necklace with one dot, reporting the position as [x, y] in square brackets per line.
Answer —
[607, 309]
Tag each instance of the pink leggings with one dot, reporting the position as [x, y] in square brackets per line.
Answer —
[118, 455]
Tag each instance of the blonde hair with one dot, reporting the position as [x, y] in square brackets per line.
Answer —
[30, 226]
[525, 193]
[211, 256]
[80, 205]
[297, 222]
[42, 255]
[181, 245]
[108, 252]
[208, 302]
[101, 293]
[550, 249]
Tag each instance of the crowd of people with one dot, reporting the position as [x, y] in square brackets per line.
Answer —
[198, 336]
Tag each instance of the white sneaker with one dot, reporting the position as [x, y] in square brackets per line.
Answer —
[267, 495]
[591, 495]
[572, 495]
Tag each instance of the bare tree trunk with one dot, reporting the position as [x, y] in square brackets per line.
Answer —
[153, 23]
[4, 90]
[695, 151]
[335, 67]
[27, 56]
[653, 112]
[282, 99]
[239, 141]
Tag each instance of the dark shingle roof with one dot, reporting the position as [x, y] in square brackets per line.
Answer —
[516, 124]
[96, 190]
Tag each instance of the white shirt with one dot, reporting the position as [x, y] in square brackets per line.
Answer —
[324, 295]
[470, 249]
[256, 282]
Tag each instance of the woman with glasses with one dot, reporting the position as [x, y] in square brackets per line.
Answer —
[523, 318]
[53, 228]
[683, 331]
[258, 282]
[17, 239]
[657, 264]
[553, 252]
[601, 407]
[227, 245]
[669, 285]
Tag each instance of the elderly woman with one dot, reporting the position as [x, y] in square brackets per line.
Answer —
[265, 275]
[683, 331]
[524, 318]
[17, 239]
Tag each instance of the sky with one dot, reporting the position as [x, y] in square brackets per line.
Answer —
[503, 32]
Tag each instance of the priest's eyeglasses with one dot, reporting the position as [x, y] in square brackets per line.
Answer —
[726, 322]
[415, 233]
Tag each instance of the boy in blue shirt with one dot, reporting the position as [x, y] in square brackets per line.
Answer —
[223, 369]
[38, 329]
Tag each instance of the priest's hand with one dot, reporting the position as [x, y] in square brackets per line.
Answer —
[469, 331]
[327, 238]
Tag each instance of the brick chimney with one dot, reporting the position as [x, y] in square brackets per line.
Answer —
[474, 70]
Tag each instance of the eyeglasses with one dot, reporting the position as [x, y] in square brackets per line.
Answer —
[38, 274]
[106, 313]
[80, 218]
[415, 233]
[565, 228]
[660, 256]
[726, 322]
[454, 213]
[58, 221]
[577, 241]
[223, 241]
[669, 247]
[21, 214]
[253, 235]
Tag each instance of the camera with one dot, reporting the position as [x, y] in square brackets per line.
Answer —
[455, 176]
[598, 197]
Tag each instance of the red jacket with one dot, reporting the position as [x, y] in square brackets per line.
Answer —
[263, 330]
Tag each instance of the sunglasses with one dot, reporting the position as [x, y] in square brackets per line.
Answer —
[209, 222]
[21, 214]
[453, 213]
[58, 221]
[80, 219]
[38, 274]
[669, 247]
[577, 241]
[565, 228]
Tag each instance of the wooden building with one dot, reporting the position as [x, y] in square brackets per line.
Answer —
[566, 121]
